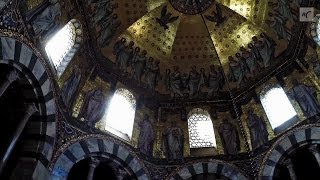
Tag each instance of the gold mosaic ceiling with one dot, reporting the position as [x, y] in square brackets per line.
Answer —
[193, 39]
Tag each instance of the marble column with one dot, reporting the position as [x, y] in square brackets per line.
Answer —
[314, 150]
[30, 110]
[288, 163]
[11, 77]
[94, 162]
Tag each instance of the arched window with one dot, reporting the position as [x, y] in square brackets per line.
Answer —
[277, 106]
[201, 133]
[120, 114]
[315, 29]
[64, 44]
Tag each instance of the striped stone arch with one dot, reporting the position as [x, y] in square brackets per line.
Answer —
[285, 145]
[217, 167]
[98, 147]
[41, 134]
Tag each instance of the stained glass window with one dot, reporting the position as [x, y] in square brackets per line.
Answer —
[64, 44]
[201, 133]
[120, 114]
[277, 106]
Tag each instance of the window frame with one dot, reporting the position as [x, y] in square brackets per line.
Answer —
[285, 124]
[210, 140]
[133, 103]
[77, 37]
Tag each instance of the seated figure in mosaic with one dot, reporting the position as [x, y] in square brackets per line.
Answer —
[124, 54]
[173, 81]
[237, 71]
[306, 97]
[152, 74]
[278, 24]
[250, 61]
[109, 27]
[265, 49]
[256, 54]
[103, 10]
[118, 47]
[285, 10]
[215, 81]
[194, 82]
[138, 64]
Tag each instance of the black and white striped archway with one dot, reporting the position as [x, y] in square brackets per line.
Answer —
[98, 146]
[285, 145]
[25, 59]
[213, 167]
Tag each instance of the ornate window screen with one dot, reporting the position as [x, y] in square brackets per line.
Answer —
[64, 44]
[201, 133]
[277, 106]
[315, 29]
[120, 115]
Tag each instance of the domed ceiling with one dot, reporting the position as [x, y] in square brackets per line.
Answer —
[181, 34]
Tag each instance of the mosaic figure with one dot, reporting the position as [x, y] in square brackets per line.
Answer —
[146, 136]
[172, 142]
[306, 97]
[230, 138]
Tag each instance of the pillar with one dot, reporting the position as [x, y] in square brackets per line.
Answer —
[288, 163]
[30, 110]
[94, 162]
[314, 150]
[11, 77]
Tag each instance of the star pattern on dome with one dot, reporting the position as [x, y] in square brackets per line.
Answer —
[187, 33]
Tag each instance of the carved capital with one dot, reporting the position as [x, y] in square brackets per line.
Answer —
[314, 149]
[12, 76]
[288, 163]
[31, 109]
[94, 162]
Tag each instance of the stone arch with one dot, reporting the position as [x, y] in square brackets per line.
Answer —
[23, 57]
[96, 146]
[218, 167]
[285, 145]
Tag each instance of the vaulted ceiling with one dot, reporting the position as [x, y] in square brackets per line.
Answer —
[200, 32]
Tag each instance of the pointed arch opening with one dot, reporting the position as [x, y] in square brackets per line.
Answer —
[64, 44]
[120, 114]
[200, 127]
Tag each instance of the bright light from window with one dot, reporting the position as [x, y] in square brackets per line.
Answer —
[60, 44]
[120, 115]
[201, 133]
[277, 107]
[318, 28]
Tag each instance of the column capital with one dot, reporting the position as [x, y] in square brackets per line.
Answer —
[287, 162]
[12, 76]
[314, 149]
[31, 108]
[94, 162]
